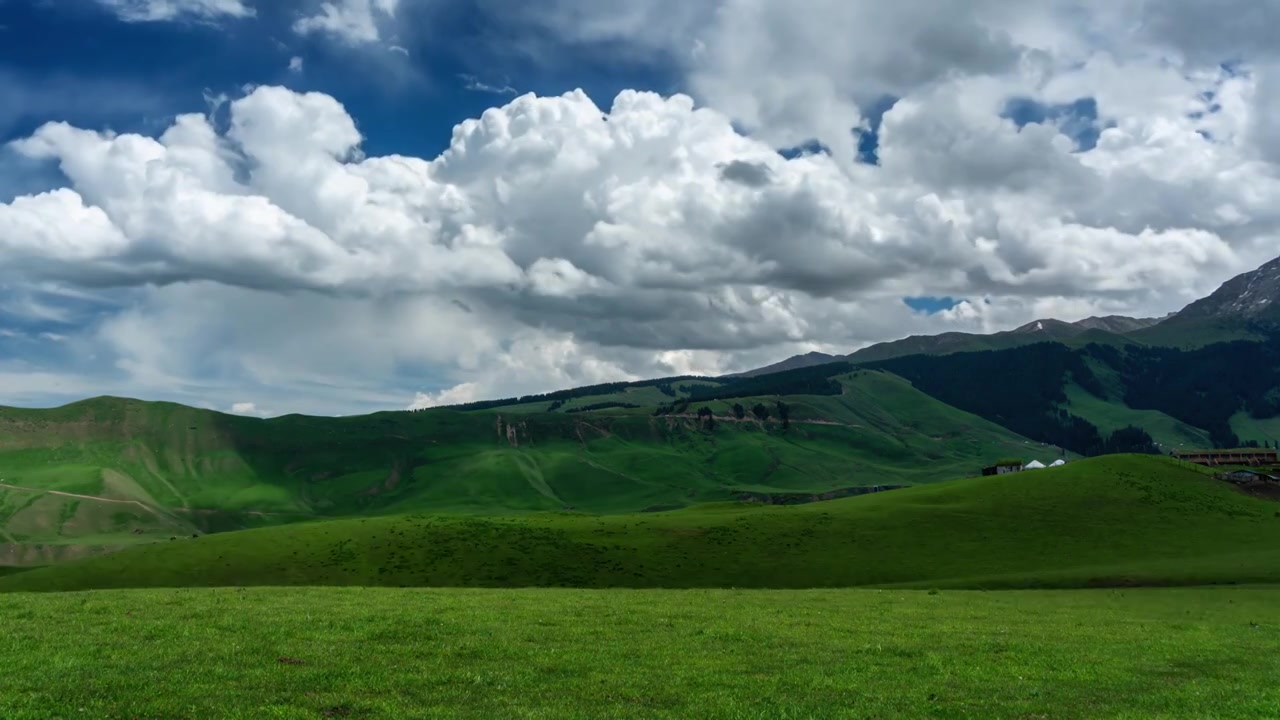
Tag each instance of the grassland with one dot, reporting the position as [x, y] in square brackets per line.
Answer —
[1259, 431]
[1119, 520]
[388, 653]
[1111, 415]
[110, 472]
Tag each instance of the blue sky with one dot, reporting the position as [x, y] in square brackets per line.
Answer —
[75, 61]
[288, 206]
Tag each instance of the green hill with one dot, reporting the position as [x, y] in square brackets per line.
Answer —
[104, 473]
[1119, 520]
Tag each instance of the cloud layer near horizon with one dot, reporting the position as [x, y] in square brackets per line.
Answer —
[257, 256]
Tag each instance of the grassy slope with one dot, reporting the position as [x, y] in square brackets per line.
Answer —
[1190, 333]
[1114, 520]
[1257, 430]
[955, 342]
[1112, 414]
[1108, 416]
[377, 654]
[166, 470]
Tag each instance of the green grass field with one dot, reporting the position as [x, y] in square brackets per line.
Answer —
[1259, 431]
[107, 473]
[1113, 521]
[1111, 415]
[749, 655]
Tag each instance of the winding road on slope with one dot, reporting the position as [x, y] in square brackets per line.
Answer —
[155, 510]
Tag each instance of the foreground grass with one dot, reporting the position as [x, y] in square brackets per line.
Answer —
[389, 653]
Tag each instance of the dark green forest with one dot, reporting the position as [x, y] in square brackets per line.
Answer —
[1202, 387]
[1023, 388]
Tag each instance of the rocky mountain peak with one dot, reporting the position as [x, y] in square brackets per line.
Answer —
[1255, 294]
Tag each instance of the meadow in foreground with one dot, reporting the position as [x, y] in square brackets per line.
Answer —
[430, 653]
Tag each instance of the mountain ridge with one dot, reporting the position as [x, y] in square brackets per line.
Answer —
[1243, 307]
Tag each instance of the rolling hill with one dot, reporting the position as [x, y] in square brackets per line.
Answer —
[100, 474]
[1119, 520]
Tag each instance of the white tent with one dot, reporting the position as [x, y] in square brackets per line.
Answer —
[1034, 465]
[1058, 463]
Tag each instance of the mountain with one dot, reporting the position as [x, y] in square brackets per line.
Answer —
[1048, 330]
[1206, 376]
[1253, 295]
[1118, 323]
[792, 363]
[1245, 307]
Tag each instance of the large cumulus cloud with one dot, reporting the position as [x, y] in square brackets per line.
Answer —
[259, 256]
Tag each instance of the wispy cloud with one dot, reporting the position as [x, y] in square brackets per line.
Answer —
[170, 10]
[474, 84]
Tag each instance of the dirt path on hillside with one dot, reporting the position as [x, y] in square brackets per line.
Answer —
[7, 486]
[771, 420]
[153, 509]
[255, 513]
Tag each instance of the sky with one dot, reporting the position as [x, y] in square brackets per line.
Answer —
[334, 207]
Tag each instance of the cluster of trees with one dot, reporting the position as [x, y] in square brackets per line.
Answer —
[675, 407]
[574, 393]
[816, 380]
[601, 406]
[1129, 439]
[707, 418]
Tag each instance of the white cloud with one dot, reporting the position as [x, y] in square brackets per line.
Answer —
[456, 395]
[354, 22]
[557, 242]
[165, 10]
[295, 64]
[474, 84]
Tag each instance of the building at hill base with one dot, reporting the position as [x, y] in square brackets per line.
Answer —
[1246, 456]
